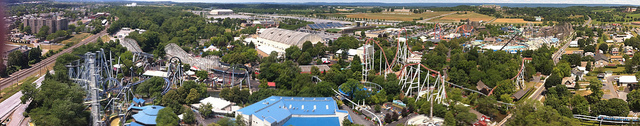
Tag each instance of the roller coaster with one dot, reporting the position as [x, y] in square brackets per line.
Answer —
[95, 73]
[410, 75]
[608, 119]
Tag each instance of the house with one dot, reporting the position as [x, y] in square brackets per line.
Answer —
[609, 41]
[626, 80]
[615, 51]
[569, 81]
[628, 50]
[589, 54]
[482, 87]
[601, 60]
[573, 44]
[616, 58]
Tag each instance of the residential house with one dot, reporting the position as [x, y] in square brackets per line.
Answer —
[569, 82]
[615, 51]
[589, 54]
[616, 58]
[601, 60]
[628, 50]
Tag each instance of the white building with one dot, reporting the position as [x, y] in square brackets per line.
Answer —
[626, 80]
[221, 11]
[275, 39]
[218, 105]
[573, 44]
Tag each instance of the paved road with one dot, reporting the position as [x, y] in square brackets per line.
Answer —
[556, 56]
[24, 73]
[608, 85]
[12, 107]
[357, 119]
[588, 21]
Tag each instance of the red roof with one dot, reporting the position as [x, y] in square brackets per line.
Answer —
[271, 84]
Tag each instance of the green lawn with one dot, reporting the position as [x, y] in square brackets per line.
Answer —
[76, 38]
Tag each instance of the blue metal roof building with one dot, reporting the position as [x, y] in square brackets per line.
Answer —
[281, 110]
[147, 115]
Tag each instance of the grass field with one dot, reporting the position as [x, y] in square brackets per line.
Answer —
[76, 38]
[513, 21]
[398, 16]
[105, 38]
[470, 15]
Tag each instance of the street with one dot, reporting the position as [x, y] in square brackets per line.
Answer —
[13, 109]
[357, 119]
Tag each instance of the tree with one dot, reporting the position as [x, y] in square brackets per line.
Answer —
[377, 108]
[305, 58]
[189, 117]
[151, 87]
[612, 107]
[634, 99]
[449, 119]
[292, 52]
[532, 113]
[166, 117]
[27, 30]
[563, 69]
[387, 118]
[44, 31]
[553, 80]
[193, 96]
[16, 58]
[595, 86]
[588, 66]
[205, 109]
[306, 46]
[604, 47]
[202, 75]
[34, 55]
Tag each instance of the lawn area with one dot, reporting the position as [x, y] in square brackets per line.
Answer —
[398, 16]
[46, 48]
[76, 38]
[105, 38]
[572, 49]
[513, 21]
[462, 16]
[583, 93]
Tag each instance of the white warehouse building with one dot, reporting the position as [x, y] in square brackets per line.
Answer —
[276, 39]
[221, 11]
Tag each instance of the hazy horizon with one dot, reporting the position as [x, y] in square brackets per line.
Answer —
[628, 2]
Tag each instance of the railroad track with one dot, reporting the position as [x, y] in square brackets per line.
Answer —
[24, 73]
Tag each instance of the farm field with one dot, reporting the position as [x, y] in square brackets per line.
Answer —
[513, 21]
[462, 16]
[398, 16]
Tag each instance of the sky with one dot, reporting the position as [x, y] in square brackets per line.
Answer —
[630, 2]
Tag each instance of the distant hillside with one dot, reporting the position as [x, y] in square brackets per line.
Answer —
[20, 1]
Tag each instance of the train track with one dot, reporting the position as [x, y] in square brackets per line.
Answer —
[24, 73]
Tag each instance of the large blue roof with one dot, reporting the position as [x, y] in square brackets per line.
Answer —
[148, 115]
[278, 108]
[313, 121]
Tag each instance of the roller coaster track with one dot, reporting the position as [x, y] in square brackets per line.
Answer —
[519, 77]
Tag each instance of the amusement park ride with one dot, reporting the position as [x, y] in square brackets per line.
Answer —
[414, 83]
[97, 75]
